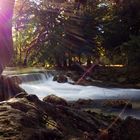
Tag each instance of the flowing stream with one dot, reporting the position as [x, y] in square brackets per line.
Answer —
[42, 84]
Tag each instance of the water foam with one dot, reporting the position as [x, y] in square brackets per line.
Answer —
[46, 86]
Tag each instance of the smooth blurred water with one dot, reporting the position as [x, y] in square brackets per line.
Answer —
[43, 86]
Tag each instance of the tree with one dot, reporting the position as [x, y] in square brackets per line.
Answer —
[6, 44]
[131, 51]
[54, 33]
[34, 28]
[123, 23]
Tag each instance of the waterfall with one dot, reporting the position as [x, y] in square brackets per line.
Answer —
[40, 82]
[33, 77]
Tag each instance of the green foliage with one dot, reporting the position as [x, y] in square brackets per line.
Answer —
[131, 50]
[52, 33]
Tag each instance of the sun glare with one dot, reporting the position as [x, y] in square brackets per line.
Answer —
[2, 6]
[6, 10]
[5, 3]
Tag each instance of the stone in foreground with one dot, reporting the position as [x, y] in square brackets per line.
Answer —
[25, 117]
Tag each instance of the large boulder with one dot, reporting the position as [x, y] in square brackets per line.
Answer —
[21, 119]
[55, 100]
[73, 75]
[60, 78]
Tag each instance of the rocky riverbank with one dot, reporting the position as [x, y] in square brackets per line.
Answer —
[25, 117]
[102, 77]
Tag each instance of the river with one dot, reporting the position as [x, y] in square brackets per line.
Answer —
[42, 85]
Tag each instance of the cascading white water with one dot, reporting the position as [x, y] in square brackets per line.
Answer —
[32, 77]
[42, 85]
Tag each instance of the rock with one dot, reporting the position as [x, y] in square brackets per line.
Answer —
[60, 78]
[127, 130]
[69, 74]
[32, 98]
[131, 128]
[21, 119]
[83, 103]
[88, 136]
[28, 118]
[55, 100]
[55, 78]
[120, 104]
[16, 80]
[25, 117]
[8, 88]
[21, 95]
[103, 135]
[76, 77]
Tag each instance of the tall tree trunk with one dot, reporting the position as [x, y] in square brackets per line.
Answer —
[6, 43]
